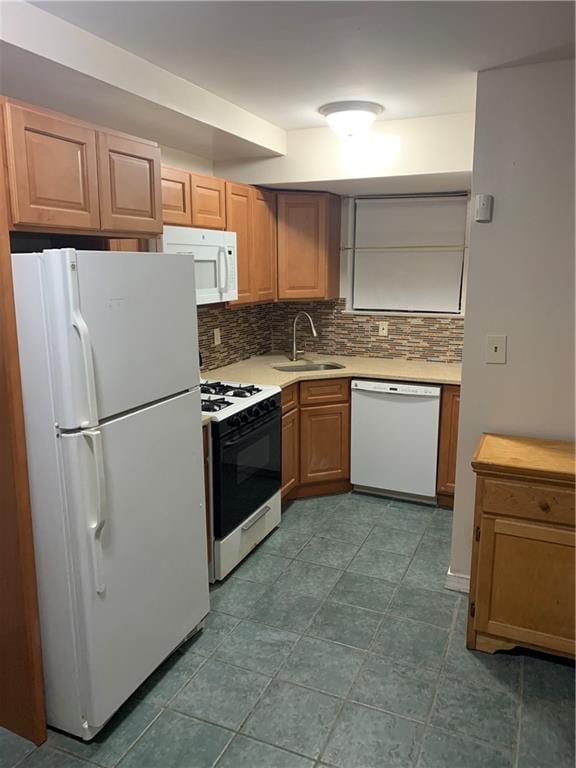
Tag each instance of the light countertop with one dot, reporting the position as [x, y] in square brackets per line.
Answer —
[260, 370]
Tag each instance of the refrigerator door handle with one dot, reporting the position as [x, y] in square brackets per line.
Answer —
[223, 259]
[79, 324]
[97, 524]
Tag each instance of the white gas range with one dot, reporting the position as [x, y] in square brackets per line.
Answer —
[246, 467]
[222, 399]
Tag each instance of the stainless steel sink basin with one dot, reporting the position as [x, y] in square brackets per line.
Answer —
[304, 366]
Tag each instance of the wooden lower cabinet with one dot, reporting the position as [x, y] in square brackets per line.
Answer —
[522, 581]
[448, 444]
[325, 443]
[316, 438]
[290, 451]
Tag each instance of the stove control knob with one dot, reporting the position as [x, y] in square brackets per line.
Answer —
[243, 417]
[234, 421]
[272, 403]
[254, 411]
[265, 405]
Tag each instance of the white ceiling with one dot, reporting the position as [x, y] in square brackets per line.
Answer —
[282, 60]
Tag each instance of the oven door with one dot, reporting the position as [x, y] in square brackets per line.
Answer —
[247, 467]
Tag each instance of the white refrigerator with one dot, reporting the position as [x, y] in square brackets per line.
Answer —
[108, 348]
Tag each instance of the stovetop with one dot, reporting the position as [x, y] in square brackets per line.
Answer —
[221, 399]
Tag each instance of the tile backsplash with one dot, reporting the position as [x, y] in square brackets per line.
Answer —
[436, 339]
[262, 328]
[245, 332]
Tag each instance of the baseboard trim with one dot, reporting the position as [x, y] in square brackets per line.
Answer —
[457, 582]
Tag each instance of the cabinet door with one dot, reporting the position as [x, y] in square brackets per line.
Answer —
[324, 443]
[238, 220]
[290, 451]
[525, 583]
[308, 246]
[52, 170]
[129, 182]
[263, 248]
[449, 411]
[302, 246]
[176, 197]
[208, 202]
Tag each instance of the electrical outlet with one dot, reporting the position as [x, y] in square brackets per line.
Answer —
[217, 337]
[383, 328]
[496, 349]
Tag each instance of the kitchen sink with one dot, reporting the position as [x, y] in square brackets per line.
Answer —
[304, 366]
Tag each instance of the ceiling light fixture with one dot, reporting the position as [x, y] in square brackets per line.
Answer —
[349, 118]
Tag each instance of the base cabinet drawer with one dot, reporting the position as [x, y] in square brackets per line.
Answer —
[324, 391]
[528, 500]
[526, 583]
[289, 398]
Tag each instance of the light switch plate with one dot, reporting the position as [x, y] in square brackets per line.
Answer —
[217, 337]
[496, 349]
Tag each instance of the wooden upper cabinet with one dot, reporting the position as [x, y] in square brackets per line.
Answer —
[308, 246]
[263, 247]
[208, 201]
[448, 444]
[52, 170]
[238, 220]
[129, 181]
[176, 197]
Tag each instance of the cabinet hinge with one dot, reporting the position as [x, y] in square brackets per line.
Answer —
[472, 609]
[477, 533]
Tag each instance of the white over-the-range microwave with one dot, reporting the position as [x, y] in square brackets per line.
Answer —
[214, 254]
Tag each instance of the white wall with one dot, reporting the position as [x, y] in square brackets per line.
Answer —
[442, 144]
[521, 271]
[179, 159]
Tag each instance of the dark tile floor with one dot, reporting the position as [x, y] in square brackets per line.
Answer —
[336, 644]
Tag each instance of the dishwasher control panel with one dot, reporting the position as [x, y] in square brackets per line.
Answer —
[397, 388]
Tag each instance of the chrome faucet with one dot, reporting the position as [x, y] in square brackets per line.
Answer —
[296, 352]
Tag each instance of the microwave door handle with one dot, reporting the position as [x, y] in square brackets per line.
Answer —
[223, 284]
[97, 523]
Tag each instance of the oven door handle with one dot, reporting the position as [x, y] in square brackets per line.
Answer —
[254, 520]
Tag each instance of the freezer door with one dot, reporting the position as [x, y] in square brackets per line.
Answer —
[122, 330]
[138, 537]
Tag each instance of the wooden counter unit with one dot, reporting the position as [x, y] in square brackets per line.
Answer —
[522, 580]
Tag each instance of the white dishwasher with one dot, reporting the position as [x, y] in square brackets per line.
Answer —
[395, 437]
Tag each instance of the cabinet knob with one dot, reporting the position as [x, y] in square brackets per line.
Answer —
[544, 506]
